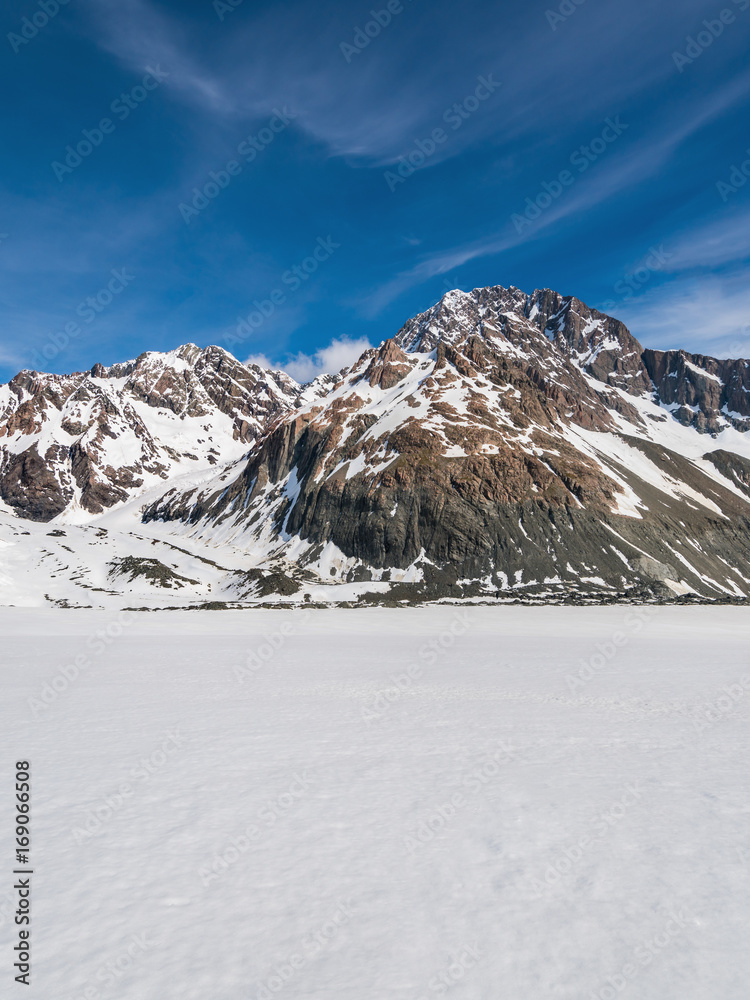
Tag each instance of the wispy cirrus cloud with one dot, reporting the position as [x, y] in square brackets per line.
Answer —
[707, 314]
[713, 243]
[635, 160]
[139, 34]
[258, 59]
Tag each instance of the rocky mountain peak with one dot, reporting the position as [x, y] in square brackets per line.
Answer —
[545, 328]
[90, 440]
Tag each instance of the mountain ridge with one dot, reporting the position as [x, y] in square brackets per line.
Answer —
[500, 443]
[74, 418]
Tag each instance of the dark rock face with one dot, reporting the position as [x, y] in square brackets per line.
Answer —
[474, 449]
[705, 393]
[152, 570]
[500, 517]
[97, 495]
[28, 485]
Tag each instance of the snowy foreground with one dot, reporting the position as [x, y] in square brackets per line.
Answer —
[389, 804]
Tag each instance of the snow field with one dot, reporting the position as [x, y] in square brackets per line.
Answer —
[484, 802]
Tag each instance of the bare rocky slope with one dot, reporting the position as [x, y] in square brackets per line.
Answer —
[500, 445]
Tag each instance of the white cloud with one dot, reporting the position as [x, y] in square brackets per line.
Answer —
[139, 34]
[262, 361]
[708, 315]
[340, 353]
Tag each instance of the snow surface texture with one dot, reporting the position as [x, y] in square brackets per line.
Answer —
[430, 800]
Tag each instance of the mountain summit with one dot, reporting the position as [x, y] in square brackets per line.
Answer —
[86, 442]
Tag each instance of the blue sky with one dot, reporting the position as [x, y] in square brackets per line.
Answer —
[490, 102]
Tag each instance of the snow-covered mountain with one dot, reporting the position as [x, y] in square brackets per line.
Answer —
[501, 444]
[83, 443]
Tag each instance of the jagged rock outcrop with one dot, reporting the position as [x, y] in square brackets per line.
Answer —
[702, 392]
